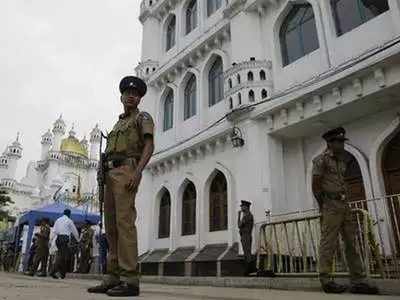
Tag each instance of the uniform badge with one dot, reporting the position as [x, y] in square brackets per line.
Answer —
[146, 116]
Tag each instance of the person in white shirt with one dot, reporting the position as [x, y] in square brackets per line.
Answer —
[62, 229]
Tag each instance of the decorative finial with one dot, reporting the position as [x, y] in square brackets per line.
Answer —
[72, 131]
[17, 136]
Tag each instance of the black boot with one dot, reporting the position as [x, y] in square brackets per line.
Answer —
[364, 288]
[102, 288]
[124, 290]
[332, 287]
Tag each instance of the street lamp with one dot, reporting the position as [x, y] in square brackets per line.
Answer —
[236, 138]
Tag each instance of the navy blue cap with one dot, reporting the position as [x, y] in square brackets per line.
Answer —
[133, 82]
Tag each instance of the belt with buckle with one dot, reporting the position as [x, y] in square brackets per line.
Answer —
[116, 163]
[336, 195]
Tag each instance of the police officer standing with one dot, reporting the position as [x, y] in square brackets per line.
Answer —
[245, 224]
[86, 247]
[330, 190]
[42, 250]
[129, 149]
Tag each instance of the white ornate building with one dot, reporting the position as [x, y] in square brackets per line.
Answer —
[281, 72]
[66, 170]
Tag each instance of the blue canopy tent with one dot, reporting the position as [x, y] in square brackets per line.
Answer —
[52, 212]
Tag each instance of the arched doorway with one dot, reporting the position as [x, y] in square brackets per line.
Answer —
[354, 181]
[391, 175]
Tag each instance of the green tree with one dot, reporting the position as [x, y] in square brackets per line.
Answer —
[5, 200]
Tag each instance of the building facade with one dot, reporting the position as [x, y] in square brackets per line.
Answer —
[66, 171]
[241, 91]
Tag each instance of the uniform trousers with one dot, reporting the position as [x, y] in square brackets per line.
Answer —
[85, 259]
[246, 240]
[121, 233]
[41, 257]
[337, 218]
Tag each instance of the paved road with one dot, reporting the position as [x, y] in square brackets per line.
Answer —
[19, 287]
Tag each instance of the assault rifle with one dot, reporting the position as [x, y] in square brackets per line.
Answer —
[101, 179]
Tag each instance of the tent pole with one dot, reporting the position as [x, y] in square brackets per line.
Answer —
[28, 244]
[16, 244]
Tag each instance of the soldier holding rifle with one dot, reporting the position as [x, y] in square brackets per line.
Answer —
[129, 149]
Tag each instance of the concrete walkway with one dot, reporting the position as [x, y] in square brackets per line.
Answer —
[19, 287]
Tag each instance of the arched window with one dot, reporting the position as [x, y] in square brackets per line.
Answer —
[238, 79]
[230, 83]
[191, 16]
[190, 98]
[171, 32]
[216, 83]
[349, 14]
[264, 94]
[250, 76]
[213, 6]
[230, 103]
[251, 96]
[218, 203]
[298, 34]
[262, 75]
[169, 110]
[165, 215]
[239, 99]
[189, 210]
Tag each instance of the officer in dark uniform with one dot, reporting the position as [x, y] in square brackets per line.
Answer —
[129, 149]
[246, 224]
[330, 190]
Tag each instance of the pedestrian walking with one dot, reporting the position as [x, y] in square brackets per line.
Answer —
[63, 227]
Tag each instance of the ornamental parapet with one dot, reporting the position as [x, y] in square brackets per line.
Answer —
[247, 83]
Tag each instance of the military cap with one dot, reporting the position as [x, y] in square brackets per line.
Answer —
[335, 134]
[245, 203]
[133, 82]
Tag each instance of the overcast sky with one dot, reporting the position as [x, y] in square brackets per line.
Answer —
[63, 57]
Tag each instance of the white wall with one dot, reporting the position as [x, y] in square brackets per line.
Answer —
[270, 170]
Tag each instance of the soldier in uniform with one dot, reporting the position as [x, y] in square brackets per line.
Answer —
[42, 250]
[330, 190]
[245, 224]
[86, 247]
[129, 148]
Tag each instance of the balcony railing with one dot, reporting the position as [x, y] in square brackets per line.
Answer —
[290, 246]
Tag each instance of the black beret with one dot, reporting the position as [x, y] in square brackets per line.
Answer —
[335, 134]
[245, 203]
[133, 82]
